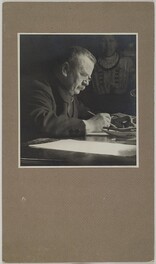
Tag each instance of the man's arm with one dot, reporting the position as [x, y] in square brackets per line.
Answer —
[43, 121]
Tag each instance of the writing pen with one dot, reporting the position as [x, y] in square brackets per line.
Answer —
[91, 113]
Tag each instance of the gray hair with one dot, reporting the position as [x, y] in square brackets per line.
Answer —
[71, 53]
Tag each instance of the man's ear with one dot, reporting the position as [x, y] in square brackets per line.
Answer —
[65, 69]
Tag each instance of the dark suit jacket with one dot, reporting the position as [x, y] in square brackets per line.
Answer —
[47, 111]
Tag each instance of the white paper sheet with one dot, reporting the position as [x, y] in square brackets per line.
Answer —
[105, 148]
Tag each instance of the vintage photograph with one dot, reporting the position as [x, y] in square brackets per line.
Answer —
[78, 132]
[78, 100]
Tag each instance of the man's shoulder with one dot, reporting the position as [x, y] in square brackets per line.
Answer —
[42, 86]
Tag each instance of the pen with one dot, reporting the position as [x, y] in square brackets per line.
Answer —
[91, 113]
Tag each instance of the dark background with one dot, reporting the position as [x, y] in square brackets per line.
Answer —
[38, 53]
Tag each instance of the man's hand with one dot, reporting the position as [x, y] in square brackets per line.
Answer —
[97, 122]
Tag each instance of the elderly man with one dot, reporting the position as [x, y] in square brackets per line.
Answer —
[53, 109]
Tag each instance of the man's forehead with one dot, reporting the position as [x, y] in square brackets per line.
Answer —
[83, 59]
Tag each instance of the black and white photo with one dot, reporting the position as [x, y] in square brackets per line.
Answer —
[78, 99]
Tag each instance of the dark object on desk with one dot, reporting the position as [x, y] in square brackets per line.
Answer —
[122, 134]
[123, 121]
[122, 126]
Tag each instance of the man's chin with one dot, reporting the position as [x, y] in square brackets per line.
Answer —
[77, 91]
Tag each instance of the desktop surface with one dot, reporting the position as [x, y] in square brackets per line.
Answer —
[37, 156]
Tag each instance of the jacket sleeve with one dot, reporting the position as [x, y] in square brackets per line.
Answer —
[42, 113]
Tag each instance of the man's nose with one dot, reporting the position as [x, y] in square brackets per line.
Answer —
[86, 82]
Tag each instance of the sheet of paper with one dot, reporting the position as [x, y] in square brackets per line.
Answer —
[115, 149]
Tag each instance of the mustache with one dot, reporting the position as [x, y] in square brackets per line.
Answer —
[82, 87]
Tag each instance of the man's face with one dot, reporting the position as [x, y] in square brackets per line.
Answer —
[79, 74]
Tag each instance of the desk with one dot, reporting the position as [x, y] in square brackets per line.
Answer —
[47, 157]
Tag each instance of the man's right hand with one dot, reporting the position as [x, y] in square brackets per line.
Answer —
[97, 122]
